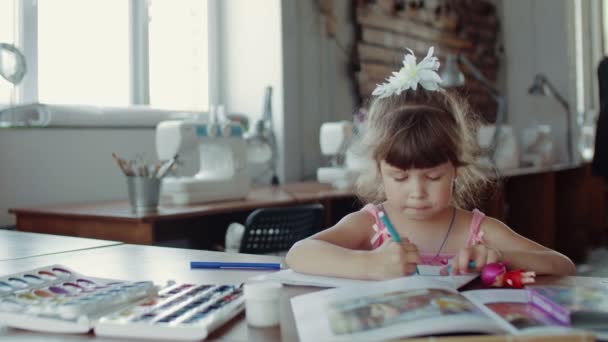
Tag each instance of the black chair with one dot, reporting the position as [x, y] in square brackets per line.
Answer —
[275, 230]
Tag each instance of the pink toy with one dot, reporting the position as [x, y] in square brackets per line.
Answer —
[496, 275]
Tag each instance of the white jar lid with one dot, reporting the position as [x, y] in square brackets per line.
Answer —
[262, 290]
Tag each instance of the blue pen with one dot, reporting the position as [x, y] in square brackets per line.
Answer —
[471, 265]
[392, 231]
[235, 265]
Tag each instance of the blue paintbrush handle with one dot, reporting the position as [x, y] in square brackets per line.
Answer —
[389, 227]
[471, 265]
[235, 265]
[392, 231]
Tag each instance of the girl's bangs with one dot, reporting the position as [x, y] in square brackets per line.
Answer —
[425, 145]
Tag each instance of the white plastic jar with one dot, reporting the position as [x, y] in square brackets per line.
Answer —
[262, 303]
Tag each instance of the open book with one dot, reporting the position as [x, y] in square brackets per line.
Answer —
[290, 277]
[416, 306]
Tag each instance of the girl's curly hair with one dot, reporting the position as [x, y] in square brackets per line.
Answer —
[421, 129]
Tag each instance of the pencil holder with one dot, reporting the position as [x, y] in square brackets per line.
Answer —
[144, 193]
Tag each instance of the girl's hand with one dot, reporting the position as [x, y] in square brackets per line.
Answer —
[480, 254]
[393, 260]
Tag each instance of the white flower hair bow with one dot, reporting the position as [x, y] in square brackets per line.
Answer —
[410, 75]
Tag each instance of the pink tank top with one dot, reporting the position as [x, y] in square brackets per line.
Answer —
[475, 236]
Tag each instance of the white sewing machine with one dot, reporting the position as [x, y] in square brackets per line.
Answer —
[335, 139]
[223, 161]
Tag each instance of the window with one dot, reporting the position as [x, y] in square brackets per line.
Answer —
[116, 52]
[178, 54]
[83, 52]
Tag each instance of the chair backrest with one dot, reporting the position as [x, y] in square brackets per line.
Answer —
[272, 230]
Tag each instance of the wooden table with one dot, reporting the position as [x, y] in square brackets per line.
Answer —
[204, 222]
[115, 220]
[136, 262]
[561, 207]
[17, 245]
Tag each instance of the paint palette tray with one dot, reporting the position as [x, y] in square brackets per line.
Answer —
[57, 299]
[178, 312]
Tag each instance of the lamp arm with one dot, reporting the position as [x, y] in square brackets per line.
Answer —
[501, 102]
[270, 138]
[480, 77]
[557, 95]
[501, 109]
[566, 106]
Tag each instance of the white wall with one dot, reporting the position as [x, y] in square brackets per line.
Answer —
[251, 47]
[539, 37]
[54, 165]
[251, 50]
[305, 67]
[319, 76]
[535, 39]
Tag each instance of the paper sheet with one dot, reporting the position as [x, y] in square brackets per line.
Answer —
[403, 307]
[290, 277]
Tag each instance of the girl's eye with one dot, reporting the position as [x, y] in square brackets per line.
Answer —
[434, 178]
[400, 179]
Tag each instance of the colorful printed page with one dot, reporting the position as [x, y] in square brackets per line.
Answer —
[403, 307]
[290, 277]
[579, 298]
[582, 307]
[512, 310]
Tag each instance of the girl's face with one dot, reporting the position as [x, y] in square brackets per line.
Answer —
[418, 193]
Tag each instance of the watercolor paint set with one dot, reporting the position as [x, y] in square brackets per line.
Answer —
[57, 299]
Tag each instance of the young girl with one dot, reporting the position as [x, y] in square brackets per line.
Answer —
[421, 139]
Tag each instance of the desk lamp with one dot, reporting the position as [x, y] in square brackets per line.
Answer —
[452, 77]
[541, 86]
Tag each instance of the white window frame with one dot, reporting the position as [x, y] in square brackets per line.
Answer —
[27, 40]
[214, 12]
[27, 33]
[140, 80]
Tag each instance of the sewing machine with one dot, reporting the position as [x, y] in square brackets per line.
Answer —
[335, 139]
[223, 161]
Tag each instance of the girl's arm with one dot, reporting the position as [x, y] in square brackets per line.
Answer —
[523, 253]
[342, 250]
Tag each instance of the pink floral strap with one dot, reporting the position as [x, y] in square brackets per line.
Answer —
[476, 234]
[380, 230]
[379, 237]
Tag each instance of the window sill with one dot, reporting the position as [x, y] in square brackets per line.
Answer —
[38, 115]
